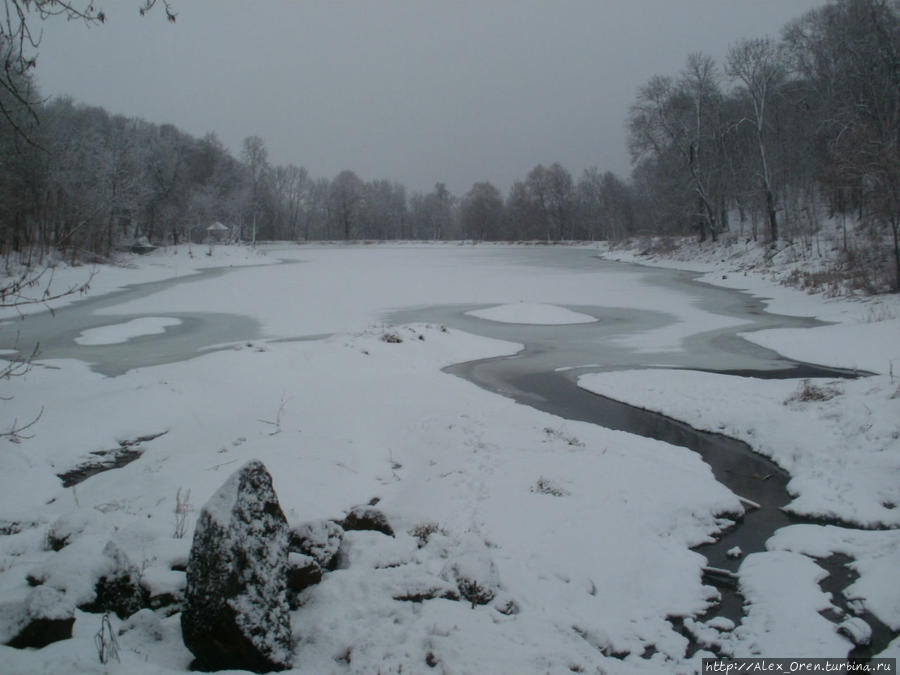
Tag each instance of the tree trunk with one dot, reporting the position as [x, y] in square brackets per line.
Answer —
[110, 231]
[895, 230]
[770, 209]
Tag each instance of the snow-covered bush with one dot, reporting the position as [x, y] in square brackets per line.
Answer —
[808, 391]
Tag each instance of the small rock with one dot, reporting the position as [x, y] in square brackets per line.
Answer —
[122, 595]
[171, 602]
[855, 628]
[121, 591]
[145, 623]
[320, 539]
[47, 616]
[721, 623]
[367, 518]
[369, 549]
[415, 585]
[734, 552]
[303, 572]
[506, 604]
[165, 588]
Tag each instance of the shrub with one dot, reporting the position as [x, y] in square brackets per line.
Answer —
[423, 531]
[807, 391]
[544, 486]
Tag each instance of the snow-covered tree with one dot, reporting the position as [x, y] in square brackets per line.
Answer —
[759, 67]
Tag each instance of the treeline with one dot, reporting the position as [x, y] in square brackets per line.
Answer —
[782, 135]
[770, 143]
[86, 183]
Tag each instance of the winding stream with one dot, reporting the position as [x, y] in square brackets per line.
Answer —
[544, 375]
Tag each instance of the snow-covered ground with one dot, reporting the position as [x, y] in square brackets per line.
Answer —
[583, 532]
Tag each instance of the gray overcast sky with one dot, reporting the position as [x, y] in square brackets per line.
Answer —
[416, 91]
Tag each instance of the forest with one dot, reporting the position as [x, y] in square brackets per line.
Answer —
[786, 137]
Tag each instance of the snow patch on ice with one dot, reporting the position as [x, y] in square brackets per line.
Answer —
[123, 332]
[532, 313]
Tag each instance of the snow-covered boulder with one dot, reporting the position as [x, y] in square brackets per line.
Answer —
[367, 518]
[236, 613]
[45, 616]
[120, 589]
[97, 575]
[319, 539]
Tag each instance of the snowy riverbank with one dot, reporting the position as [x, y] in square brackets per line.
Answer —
[839, 439]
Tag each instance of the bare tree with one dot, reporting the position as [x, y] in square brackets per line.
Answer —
[440, 211]
[19, 42]
[758, 65]
[700, 83]
[345, 196]
[256, 159]
[291, 185]
[550, 195]
[604, 205]
[848, 53]
[384, 213]
[481, 212]
[431, 216]
[678, 124]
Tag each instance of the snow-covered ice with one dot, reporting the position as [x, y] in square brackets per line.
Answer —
[532, 313]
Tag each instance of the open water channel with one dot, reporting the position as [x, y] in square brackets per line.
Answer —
[543, 375]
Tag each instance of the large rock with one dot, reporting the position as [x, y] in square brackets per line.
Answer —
[236, 613]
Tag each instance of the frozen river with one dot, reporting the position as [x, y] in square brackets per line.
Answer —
[630, 317]
[106, 332]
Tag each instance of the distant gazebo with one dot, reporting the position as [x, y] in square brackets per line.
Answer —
[217, 233]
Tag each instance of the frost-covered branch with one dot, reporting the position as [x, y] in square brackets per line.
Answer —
[20, 38]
